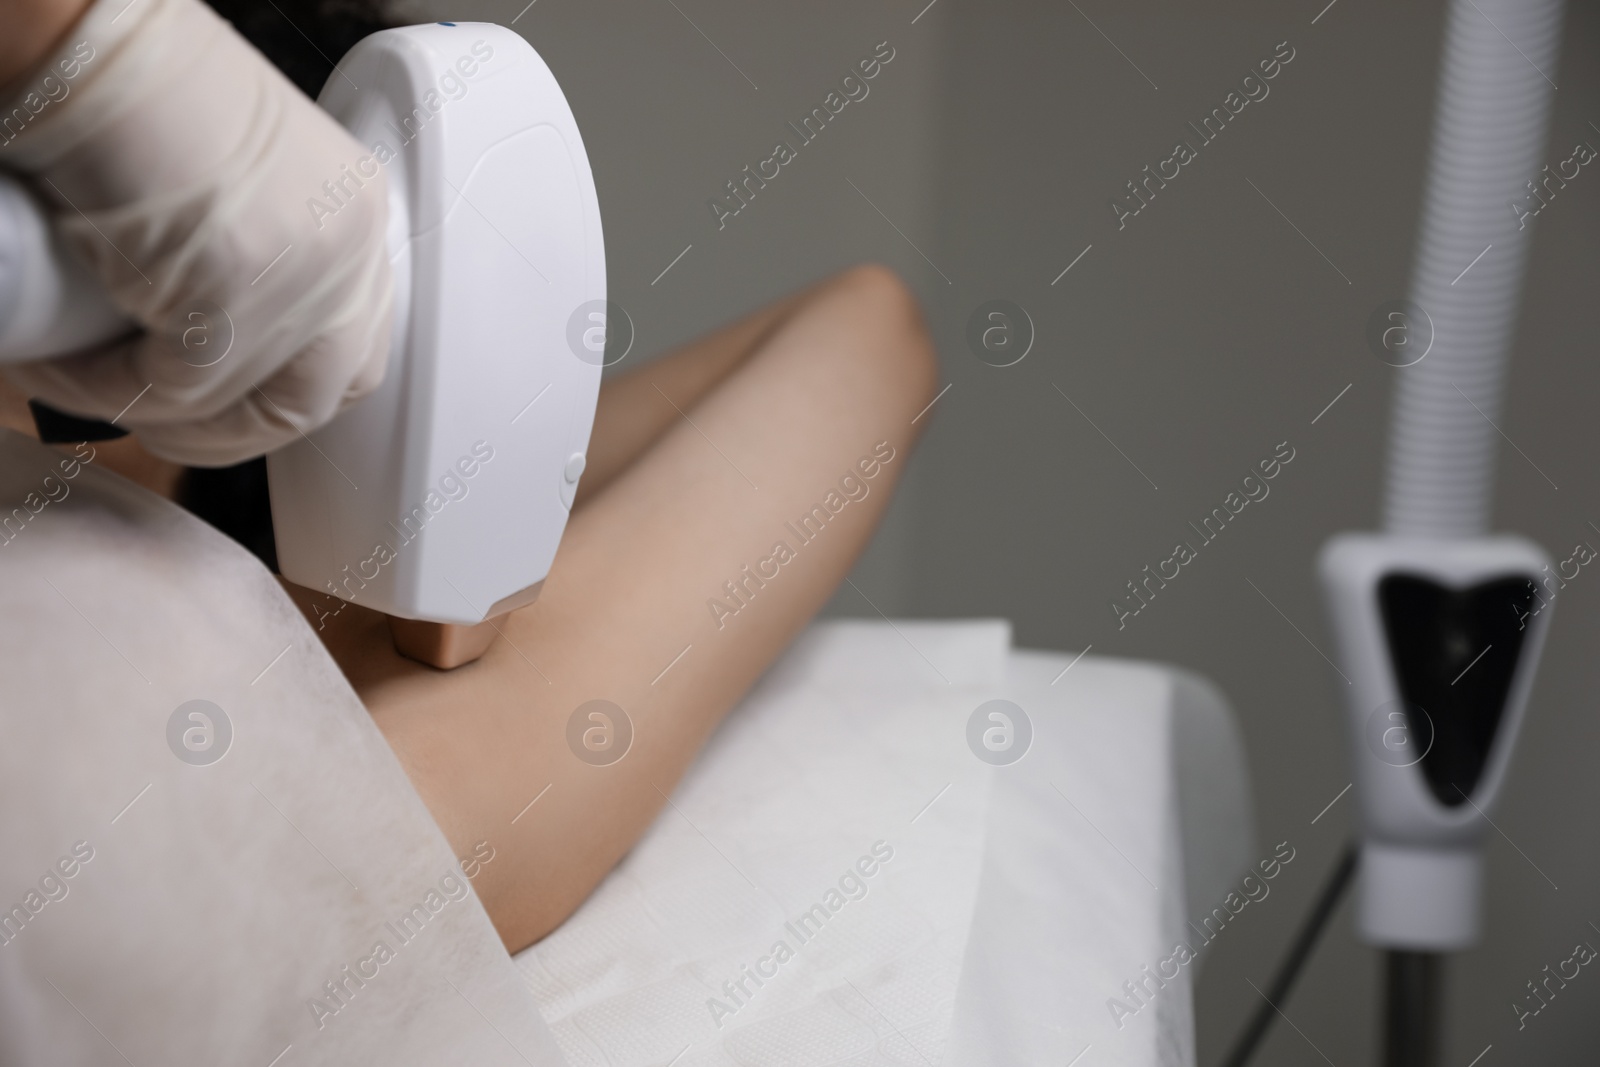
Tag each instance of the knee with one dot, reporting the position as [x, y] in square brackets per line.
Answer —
[907, 354]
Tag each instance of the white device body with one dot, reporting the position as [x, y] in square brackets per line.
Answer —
[1421, 860]
[443, 494]
[495, 243]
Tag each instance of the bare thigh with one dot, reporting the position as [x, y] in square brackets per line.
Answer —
[754, 488]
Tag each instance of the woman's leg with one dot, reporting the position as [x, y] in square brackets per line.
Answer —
[752, 484]
[631, 415]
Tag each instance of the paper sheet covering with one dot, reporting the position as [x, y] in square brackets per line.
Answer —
[1015, 907]
[857, 736]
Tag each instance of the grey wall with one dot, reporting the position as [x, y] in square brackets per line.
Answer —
[1196, 339]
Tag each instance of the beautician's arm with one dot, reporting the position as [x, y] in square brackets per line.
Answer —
[133, 121]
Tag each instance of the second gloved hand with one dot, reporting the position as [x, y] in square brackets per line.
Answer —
[230, 217]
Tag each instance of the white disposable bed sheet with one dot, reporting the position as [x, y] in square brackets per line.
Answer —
[1014, 903]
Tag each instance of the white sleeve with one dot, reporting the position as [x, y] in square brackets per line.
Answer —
[204, 883]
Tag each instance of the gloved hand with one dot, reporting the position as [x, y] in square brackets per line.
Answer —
[198, 182]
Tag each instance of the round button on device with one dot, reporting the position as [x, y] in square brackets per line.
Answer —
[575, 464]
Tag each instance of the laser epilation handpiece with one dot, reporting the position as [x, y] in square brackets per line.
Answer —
[441, 497]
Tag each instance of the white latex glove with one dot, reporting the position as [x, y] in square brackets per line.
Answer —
[183, 166]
